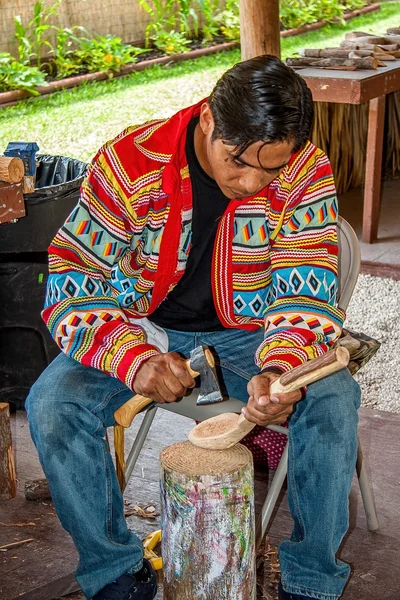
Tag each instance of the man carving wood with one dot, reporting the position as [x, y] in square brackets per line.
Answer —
[217, 226]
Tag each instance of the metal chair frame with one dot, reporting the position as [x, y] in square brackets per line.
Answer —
[349, 267]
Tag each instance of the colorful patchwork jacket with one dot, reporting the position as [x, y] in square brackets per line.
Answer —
[125, 246]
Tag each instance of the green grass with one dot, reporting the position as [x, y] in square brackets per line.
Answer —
[77, 122]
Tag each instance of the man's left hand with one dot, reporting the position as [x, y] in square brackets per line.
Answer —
[264, 408]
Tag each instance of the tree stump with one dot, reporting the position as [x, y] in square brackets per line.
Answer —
[8, 480]
[208, 524]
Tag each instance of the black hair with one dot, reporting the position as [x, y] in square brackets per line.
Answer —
[261, 99]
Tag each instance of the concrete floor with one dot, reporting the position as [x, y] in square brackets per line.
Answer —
[50, 559]
[386, 250]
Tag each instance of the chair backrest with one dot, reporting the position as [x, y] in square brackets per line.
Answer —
[349, 262]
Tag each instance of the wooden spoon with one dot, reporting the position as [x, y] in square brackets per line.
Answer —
[226, 430]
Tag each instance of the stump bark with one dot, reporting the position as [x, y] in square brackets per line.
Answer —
[8, 479]
[208, 524]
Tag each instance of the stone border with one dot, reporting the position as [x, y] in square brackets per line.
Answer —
[377, 269]
[15, 96]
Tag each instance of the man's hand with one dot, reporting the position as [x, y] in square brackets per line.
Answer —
[266, 409]
[163, 378]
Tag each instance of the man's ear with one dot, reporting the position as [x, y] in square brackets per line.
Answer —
[206, 119]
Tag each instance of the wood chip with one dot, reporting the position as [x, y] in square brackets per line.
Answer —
[17, 524]
[146, 511]
[14, 544]
[268, 571]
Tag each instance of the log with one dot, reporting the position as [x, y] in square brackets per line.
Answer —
[366, 53]
[388, 47]
[37, 489]
[352, 35]
[393, 30]
[325, 53]
[11, 169]
[335, 63]
[365, 38]
[8, 479]
[208, 527]
[346, 52]
[355, 45]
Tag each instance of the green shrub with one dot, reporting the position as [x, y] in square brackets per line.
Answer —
[229, 21]
[33, 39]
[209, 10]
[63, 60]
[188, 18]
[295, 13]
[170, 42]
[163, 14]
[16, 76]
[104, 53]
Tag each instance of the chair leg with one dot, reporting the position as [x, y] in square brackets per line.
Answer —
[272, 497]
[119, 449]
[139, 441]
[366, 492]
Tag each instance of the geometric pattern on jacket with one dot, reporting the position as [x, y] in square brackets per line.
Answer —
[125, 246]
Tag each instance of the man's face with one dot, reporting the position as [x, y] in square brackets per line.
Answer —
[243, 176]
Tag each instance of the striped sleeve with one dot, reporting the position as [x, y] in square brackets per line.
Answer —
[303, 320]
[82, 310]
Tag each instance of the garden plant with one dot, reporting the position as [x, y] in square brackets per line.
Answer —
[59, 122]
[47, 51]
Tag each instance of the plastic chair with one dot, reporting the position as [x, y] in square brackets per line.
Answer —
[349, 266]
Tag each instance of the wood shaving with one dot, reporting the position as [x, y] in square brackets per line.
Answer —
[268, 571]
[146, 511]
[17, 524]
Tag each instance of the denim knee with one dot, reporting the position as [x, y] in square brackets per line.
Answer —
[332, 402]
[45, 409]
[54, 409]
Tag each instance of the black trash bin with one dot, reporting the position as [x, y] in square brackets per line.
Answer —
[58, 180]
[26, 347]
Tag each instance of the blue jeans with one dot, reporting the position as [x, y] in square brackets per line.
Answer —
[70, 407]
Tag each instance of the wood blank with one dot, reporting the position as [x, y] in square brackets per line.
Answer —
[11, 169]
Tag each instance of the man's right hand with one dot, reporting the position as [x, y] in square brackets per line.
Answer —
[163, 378]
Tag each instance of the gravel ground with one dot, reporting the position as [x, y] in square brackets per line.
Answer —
[374, 309]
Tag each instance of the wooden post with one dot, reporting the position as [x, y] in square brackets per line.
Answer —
[8, 480]
[373, 169]
[207, 500]
[259, 28]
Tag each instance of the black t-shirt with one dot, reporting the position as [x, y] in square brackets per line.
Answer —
[190, 305]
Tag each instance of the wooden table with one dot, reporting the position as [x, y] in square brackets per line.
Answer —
[358, 87]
